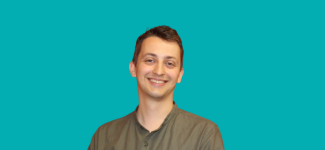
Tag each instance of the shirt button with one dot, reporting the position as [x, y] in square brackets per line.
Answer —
[145, 144]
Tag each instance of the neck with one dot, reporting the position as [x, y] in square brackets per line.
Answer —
[152, 112]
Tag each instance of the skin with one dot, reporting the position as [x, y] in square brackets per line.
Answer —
[158, 59]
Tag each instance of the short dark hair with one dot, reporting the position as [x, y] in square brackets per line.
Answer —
[163, 32]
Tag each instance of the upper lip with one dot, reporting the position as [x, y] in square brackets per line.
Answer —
[158, 79]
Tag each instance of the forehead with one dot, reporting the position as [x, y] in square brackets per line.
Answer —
[160, 47]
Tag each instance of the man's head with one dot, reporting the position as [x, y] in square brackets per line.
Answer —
[157, 62]
[163, 32]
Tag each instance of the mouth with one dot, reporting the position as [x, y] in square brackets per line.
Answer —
[157, 81]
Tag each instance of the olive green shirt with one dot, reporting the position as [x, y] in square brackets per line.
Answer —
[180, 130]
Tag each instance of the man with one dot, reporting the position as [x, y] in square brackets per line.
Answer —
[157, 123]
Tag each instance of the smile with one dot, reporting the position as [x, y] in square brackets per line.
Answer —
[157, 80]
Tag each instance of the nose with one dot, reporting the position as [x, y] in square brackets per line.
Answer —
[159, 69]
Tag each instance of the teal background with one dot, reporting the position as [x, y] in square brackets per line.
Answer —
[256, 68]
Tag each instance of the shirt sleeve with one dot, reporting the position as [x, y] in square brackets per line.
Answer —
[212, 139]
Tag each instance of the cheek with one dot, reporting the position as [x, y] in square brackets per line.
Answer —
[143, 70]
[173, 76]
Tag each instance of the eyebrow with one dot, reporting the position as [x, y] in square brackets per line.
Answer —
[154, 55]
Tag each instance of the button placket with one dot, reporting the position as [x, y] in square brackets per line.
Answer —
[145, 141]
[145, 144]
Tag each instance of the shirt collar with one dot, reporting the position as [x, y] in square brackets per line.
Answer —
[170, 116]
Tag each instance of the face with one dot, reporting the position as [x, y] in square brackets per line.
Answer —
[158, 67]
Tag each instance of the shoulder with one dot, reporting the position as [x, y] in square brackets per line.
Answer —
[197, 123]
[109, 131]
[193, 118]
[202, 130]
[115, 125]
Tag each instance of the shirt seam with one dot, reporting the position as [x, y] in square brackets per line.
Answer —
[204, 119]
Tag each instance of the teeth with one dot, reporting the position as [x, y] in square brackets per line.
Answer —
[153, 80]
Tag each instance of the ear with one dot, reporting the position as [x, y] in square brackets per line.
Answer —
[132, 69]
[180, 75]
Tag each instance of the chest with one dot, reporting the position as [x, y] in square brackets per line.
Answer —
[165, 139]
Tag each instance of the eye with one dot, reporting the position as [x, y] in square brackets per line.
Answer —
[170, 64]
[149, 60]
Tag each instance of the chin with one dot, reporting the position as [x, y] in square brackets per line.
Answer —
[156, 95]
